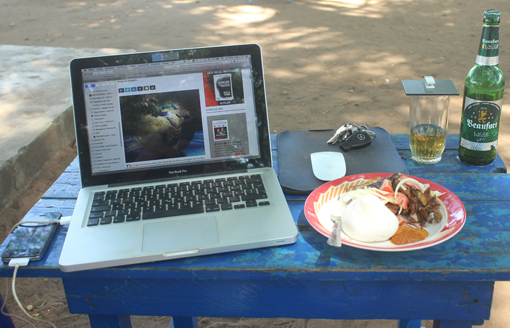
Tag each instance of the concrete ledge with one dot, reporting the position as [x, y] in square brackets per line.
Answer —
[19, 171]
[36, 118]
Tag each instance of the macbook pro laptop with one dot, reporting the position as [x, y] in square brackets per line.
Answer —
[175, 158]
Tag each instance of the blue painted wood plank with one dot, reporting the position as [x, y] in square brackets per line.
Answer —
[63, 205]
[67, 186]
[466, 184]
[449, 162]
[109, 321]
[409, 324]
[269, 299]
[74, 166]
[469, 186]
[184, 322]
[455, 323]
[401, 142]
[481, 249]
[274, 143]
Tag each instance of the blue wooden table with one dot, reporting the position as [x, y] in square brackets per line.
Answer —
[451, 283]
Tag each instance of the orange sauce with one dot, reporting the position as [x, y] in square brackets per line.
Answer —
[407, 234]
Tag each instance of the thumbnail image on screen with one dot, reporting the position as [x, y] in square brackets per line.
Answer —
[223, 88]
[162, 125]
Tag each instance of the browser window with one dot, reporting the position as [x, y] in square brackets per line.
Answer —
[170, 113]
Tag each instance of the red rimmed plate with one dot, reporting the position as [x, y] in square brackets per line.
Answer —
[317, 213]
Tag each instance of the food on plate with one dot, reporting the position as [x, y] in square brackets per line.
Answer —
[423, 205]
[408, 234]
[367, 219]
[374, 211]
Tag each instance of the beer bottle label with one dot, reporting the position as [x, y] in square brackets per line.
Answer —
[489, 46]
[480, 124]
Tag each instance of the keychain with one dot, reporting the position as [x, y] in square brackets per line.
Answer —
[358, 139]
[352, 136]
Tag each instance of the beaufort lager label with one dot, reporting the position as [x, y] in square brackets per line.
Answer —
[480, 124]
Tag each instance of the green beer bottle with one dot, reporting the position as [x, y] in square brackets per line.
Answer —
[483, 98]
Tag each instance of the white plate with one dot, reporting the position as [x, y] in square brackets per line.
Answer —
[317, 213]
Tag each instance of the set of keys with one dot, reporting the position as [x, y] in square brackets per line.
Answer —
[352, 136]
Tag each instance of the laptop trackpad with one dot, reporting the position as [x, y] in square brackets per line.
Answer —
[180, 233]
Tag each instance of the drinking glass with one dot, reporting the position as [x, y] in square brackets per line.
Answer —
[428, 123]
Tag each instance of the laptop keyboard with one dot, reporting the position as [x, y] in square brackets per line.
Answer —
[164, 200]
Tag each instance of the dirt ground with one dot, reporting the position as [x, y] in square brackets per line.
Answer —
[326, 63]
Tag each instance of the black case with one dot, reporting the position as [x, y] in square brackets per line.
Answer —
[295, 167]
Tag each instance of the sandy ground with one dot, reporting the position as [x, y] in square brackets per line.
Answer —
[326, 63]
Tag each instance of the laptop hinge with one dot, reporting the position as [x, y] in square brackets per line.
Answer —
[189, 177]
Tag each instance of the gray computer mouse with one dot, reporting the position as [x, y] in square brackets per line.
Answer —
[328, 165]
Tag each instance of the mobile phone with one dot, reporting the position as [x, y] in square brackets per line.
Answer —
[31, 240]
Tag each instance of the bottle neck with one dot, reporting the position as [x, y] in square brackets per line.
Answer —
[488, 52]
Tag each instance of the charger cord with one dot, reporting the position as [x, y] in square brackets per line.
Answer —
[16, 264]
[19, 262]
[5, 302]
[62, 221]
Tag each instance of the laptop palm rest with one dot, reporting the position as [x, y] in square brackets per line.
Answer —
[190, 232]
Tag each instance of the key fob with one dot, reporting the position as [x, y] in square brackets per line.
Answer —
[358, 139]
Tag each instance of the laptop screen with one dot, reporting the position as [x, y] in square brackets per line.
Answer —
[169, 114]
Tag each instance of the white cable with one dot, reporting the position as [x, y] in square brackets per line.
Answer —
[19, 303]
[65, 220]
[39, 222]
[23, 261]
[16, 263]
[5, 302]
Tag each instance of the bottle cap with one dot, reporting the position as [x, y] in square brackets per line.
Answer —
[491, 16]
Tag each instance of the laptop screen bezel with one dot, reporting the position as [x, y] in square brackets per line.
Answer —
[167, 173]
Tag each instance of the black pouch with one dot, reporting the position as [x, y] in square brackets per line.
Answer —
[295, 167]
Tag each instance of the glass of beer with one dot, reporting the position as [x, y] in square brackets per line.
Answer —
[428, 123]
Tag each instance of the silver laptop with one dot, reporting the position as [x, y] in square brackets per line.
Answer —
[175, 158]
